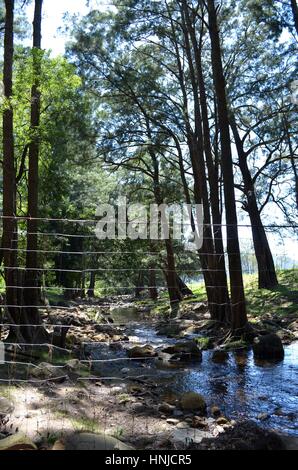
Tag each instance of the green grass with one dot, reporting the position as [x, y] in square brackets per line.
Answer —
[282, 301]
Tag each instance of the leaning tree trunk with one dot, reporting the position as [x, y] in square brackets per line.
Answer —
[293, 158]
[183, 288]
[31, 296]
[238, 307]
[91, 288]
[266, 269]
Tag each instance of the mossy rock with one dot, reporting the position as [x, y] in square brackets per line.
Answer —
[204, 343]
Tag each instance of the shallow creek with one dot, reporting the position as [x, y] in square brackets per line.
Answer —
[240, 386]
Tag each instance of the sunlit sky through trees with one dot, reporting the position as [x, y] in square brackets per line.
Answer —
[55, 38]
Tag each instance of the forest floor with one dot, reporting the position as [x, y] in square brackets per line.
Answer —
[53, 403]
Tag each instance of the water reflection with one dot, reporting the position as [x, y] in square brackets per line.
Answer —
[241, 386]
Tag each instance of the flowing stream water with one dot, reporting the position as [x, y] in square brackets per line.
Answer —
[242, 387]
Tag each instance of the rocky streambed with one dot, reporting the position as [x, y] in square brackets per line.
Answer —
[155, 385]
[242, 386]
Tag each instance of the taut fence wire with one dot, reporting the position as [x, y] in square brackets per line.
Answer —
[43, 379]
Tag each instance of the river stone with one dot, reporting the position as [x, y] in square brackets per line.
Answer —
[166, 408]
[215, 411]
[268, 347]
[74, 365]
[173, 421]
[222, 420]
[187, 350]
[45, 371]
[6, 408]
[199, 423]
[193, 401]
[170, 331]
[89, 441]
[142, 351]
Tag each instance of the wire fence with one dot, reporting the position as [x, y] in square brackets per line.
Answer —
[102, 367]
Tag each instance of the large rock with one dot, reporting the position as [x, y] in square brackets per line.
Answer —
[89, 441]
[268, 347]
[17, 442]
[220, 356]
[171, 331]
[45, 371]
[184, 351]
[108, 329]
[192, 401]
[77, 367]
[142, 352]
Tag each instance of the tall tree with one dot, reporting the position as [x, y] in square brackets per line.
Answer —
[9, 173]
[266, 269]
[238, 307]
[31, 295]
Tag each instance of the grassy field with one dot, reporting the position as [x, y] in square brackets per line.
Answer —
[282, 300]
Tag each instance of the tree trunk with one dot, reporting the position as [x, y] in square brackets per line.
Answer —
[219, 277]
[295, 13]
[217, 303]
[91, 289]
[140, 285]
[293, 157]
[31, 278]
[238, 307]
[170, 270]
[9, 253]
[183, 288]
[153, 293]
[266, 269]
[171, 277]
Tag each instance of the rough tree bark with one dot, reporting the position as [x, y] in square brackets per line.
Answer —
[170, 269]
[266, 269]
[238, 307]
[218, 277]
[9, 177]
[31, 295]
[217, 301]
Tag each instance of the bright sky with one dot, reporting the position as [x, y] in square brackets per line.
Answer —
[53, 12]
[52, 38]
